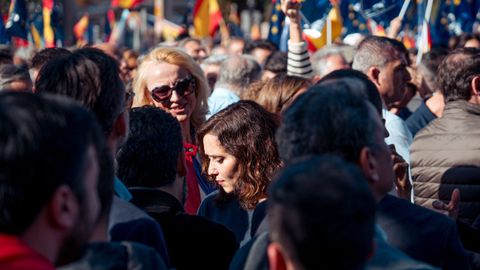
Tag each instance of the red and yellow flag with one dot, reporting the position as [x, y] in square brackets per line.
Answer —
[48, 33]
[206, 17]
[316, 39]
[80, 28]
[126, 3]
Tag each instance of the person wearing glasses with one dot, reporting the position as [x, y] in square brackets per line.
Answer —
[170, 79]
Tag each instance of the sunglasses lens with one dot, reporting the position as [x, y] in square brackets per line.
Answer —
[161, 93]
[183, 87]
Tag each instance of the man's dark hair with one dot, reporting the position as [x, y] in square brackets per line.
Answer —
[321, 212]
[45, 55]
[13, 73]
[342, 124]
[43, 145]
[6, 55]
[259, 44]
[276, 62]
[368, 90]
[150, 155]
[456, 72]
[89, 76]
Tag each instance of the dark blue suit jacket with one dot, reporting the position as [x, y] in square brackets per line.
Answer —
[421, 233]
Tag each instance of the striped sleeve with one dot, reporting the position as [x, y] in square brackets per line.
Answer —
[298, 63]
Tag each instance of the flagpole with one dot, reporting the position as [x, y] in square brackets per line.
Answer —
[329, 30]
[405, 5]
[424, 35]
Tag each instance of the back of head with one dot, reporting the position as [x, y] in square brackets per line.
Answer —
[149, 156]
[259, 44]
[428, 67]
[375, 51]
[238, 72]
[276, 62]
[320, 64]
[366, 88]
[90, 77]
[41, 149]
[6, 55]
[456, 72]
[342, 125]
[15, 78]
[45, 55]
[321, 212]
[278, 92]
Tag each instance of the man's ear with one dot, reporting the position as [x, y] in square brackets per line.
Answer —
[120, 128]
[373, 74]
[368, 165]
[276, 259]
[63, 208]
[475, 86]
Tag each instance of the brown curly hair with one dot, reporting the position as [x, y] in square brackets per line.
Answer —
[246, 131]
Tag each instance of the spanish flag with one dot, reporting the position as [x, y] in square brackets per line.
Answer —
[316, 39]
[126, 3]
[206, 17]
[48, 32]
[80, 28]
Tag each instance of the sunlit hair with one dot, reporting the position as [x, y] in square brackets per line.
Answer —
[246, 131]
[177, 57]
[279, 92]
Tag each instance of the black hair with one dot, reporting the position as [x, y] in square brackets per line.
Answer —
[150, 155]
[368, 90]
[456, 72]
[322, 213]
[43, 145]
[45, 55]
[259, 44]
[328, 118]
[89, 76]
[276, 62]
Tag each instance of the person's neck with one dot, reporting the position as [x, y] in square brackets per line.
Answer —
[43, 240]
[186, 134]
[100, 233]
[436, 104]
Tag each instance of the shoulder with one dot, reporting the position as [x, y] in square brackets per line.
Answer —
[393, 206]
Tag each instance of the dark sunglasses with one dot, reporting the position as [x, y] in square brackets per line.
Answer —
[183, 88]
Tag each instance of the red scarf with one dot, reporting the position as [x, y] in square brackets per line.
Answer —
[193, 191]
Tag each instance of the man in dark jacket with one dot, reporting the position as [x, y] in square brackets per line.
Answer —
[352, 128]
[446, 154]
[147, 163]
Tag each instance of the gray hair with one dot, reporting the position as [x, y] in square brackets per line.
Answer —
[11, 73]
[320, 57]
[216, 59]
[238, 72]
[374, 51]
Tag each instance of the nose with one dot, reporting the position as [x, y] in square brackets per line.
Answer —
[175, 96]
[212, 171]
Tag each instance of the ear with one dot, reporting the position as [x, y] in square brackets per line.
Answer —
[120, 128]
[373, 74]
[368, 165]
[276, 259]
[475, 86]
[315, 79]
[63, 208]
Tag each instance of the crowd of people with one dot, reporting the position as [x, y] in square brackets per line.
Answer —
[239, 156]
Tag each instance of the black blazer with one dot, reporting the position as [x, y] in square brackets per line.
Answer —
[421, 233]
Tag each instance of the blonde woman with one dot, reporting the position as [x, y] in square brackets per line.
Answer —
[170, 79]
